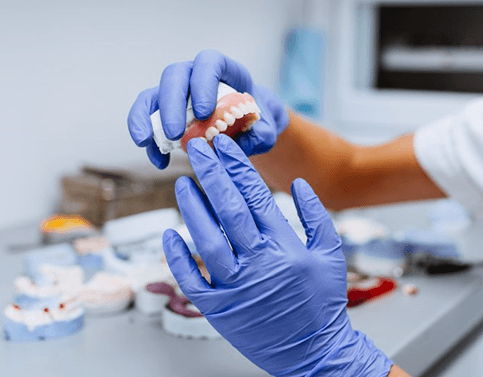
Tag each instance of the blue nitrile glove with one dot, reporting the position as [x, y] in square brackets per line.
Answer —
[279, 302]
[200, 78]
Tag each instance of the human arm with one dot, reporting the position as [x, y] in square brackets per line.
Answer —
[343, 174]
[397, 372]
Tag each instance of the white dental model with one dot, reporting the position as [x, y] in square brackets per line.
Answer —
[53, 280]
[152, 299]
[106, 293]
[42, 319]
[183, 319]
[360, 230]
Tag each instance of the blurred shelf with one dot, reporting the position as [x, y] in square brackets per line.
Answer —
[433, 59]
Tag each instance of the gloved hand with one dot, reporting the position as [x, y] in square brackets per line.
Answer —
[200, 78]
[279, 302]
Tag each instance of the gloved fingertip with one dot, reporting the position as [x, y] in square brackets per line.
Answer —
[301, 194]
[260, 139]
[224, 143]
[168, 235]
[161, 161]
[203, 110]
[139, 129]
[300, 185]
[245, 144]
[181, 184]
[197, 145]
[173, 131]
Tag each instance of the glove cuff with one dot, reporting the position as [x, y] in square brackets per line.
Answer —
[355, 355]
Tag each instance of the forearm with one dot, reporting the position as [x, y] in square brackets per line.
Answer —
[343, 174]
[397, 372]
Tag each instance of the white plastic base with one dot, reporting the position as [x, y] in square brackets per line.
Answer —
[195, 328]
[151, 303]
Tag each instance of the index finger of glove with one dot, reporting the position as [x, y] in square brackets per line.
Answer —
[173, 98]
[256, 193]
[227, 202]
[205, 230]
[209, 68]
[138, 120]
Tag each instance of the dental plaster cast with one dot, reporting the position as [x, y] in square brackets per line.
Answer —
[106, 293]
[235, 113]
[139, 272]
[153, 298]
[375, 251]
[52, 280]
[42, 319]
[181, 318]
[89, 251]
[59, 255]
[360, 230]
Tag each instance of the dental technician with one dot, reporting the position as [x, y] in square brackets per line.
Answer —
[281, 303]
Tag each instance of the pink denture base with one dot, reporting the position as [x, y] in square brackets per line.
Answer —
[236, 111]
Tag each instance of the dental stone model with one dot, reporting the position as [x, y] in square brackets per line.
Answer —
[51, 281]
[90, 252]
[42, 319]
[106, 293]
[152, 299]
[59, 255]
[181, 318]
[235, 113]
[141, 271]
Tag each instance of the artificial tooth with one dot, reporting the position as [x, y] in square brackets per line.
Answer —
[250, 107]
[211, 132]
[229, 118]
[244, 108]
[222, 126]
[204, 139]
[236, 112]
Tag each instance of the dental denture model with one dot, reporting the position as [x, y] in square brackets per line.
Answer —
[181, 318]
[51, 281]
[58, 255]
[106, 293]
[90, 252]
[42, 319]
[153, 298]
[140, 272]
[235, 113]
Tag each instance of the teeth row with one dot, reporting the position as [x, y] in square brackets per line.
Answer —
[229, 117]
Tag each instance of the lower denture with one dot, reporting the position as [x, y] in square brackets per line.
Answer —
[234, 115]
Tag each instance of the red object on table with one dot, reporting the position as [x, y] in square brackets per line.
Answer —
[362, 292]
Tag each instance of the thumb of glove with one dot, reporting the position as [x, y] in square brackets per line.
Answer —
[320, 231]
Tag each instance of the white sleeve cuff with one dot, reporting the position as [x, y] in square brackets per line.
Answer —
[450, 151]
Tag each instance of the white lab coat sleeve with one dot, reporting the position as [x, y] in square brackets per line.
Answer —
[450, 151]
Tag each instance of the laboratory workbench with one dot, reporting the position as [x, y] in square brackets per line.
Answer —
[414, 331]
